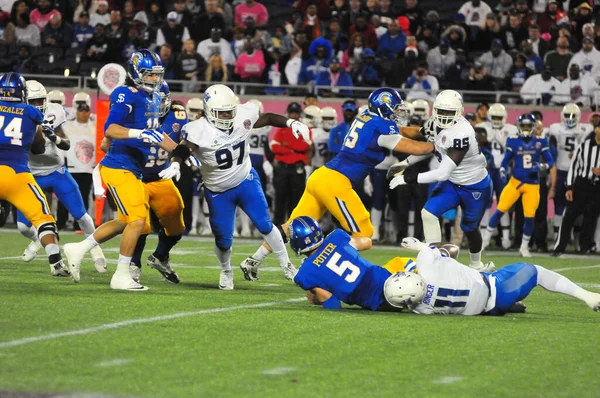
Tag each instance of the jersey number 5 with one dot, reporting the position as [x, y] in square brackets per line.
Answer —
[13, 130]
[332, 264]
[224, 157]
[352, 136]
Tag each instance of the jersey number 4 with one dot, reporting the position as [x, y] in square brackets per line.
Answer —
[224, 157]
[13, 130]
[340, 269]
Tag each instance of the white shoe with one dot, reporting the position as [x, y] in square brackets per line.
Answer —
[99, 259]
[125, 282]
[194, 231]
[135, 272]
[206, 230]
[525, 252]
[31, 251]
[593, 301]
[59, 269]
[376, 237]
[289, 271]
[246, 233]
[236, 234]
[226, 280]
[481, 267]
[74, 254]
[506, 244]
[250, 268]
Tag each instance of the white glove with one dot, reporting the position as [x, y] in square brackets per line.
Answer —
[397, 181]
[300, 129]
[173, 171]
[152, 136]
[268, 169]
[411, 243]
[397, 168]
[429, 129]
[368, 187]
[193, 161]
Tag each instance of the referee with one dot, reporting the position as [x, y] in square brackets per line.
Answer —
[583, 194]
[289, 175]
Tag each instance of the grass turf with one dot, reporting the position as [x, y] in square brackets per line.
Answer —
[262, 340]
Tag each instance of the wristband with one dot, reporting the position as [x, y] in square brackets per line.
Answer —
[58, 140]
[289, 122]
[135, 133]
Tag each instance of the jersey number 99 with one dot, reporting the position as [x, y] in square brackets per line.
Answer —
[340, 269]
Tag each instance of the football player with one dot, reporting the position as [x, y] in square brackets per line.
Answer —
[50, 173]
[23, 130]
[525, 152]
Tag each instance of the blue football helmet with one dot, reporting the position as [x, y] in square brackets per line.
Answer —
[387, 103]
[527, 125]
[12, 88]
[165, 98]
[305, 234]
[145, 69]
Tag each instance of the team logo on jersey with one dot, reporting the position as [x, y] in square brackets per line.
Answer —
[84, 151]
[476, 195]
[538, 145]
[176, 127]
[443, 139]
[247, 124]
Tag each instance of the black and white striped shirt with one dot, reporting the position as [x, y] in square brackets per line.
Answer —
[586, 158]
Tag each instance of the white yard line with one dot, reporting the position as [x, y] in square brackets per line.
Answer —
[447, 380]
[278, 371]
[575, 268]
[121, 324]
[113, 362]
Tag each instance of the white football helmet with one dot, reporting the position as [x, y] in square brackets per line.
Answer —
[311, 116]
[421, 108]
[220, 99]
[497, 114]
[194, 108]
[362, 109]
[570, 115]
[57, 97]
[409, 108]
[81, 97]
[258, 103]
[447, 108]
[37, 91]
[404, 289]
[328, 118]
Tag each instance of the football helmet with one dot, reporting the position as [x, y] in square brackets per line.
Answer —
[13, 88]
[36, 95]
[195, 108]
[328, 118]
[388, 104]
[81, 98]
[145, 68]
[447, 108]
[165, 98]
[305, 234]
[526, 125]
[57, 97]
[421, 108]
[219, 101]
[258, 103]
[404, 289]
[570, 115]
[497, 114]
[311, 116]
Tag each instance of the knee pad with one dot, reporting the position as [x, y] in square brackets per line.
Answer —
[283, 234]
[48, 228]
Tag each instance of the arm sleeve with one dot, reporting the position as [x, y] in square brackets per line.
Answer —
[442, 173]
[547, 154]
[414, 159]
[389, 141]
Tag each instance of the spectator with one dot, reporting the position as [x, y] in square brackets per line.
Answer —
[349, 18]
[540, 47]
[41, 15]
[273, 74]
[190, 64]
[539, 89]
[392, 42]
[503, 11]
[522, 8]
[497, 61]
[168, 61]
[379, 29]
[226, 10]
[173, 33]
[95, 48]
[338, 9]
[194, 7]
[101, 16]
[518, 73]
[514, 33]
[251, 64]
[57, 33]
[482, 112]
[456, 75]
[27, 33]
[294, 65]
[558, 60]
[371, 7]
[184, 16]
[238, 42]
[282, 40]
[479, 80]
[82, 31]
[534, 62]
[323, 11]
[440, 59]
[415, 15]
[588, 59]
[456, 35]
[20, 8]
[216, 70]
[490, 31]
[367, 32]
[552, 16]
[576, 88]
[152, 16]
[370, 75]
[427, 40]
[216, 45]
[207, 21]
[422, 85]
[385, 12]
[588, 29]
[352, 57]
[260, 37]
[84, 5]
[320, 52]
[334, 78]
[253, 9]
[338, 133]
[311, 24]
[116, 34]
[474, 12]
[132, 43]
[404, 23]
[23, 62]
[564, 30]
[337, 38]
[402, 67]
[128, 12]
[583, 16]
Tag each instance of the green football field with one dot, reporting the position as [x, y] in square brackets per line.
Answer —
[264, 340]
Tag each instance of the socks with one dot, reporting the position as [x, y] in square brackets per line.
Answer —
[261, 253]
[124, 259]
[505, 223]
[431, 227]
[224, 258]
[475, 258]
[495, 220]
[165, 244]
[528, 225]
[86, 224]
[557, 283]
[275, 241]
[376, 218]
[89, 243]
[139, 251]
[53, 252]
[123, 267]
[28, 232]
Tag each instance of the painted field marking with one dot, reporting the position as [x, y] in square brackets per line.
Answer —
[278, 371]
[113, 362]
[575, 268]
[447, 380]
[121, 324]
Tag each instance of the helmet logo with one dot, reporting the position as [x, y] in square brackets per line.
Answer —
[136, 59]
[385, 98]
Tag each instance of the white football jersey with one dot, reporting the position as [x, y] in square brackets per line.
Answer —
[497, 139]
[452, 288]
[259, 138]
[472, 169]
[224, 157]
[53, 158]
[320, 138]
[567, 140]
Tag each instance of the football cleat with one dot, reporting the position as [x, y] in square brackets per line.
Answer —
[593, 301]
[487, 267]
[250, 268]
[525, 252]
[31, 251]
[99, 259]
[397, 169]
[59, 269]
[289, 271]
[74, 254]
[164, 268]
[506, 244]
[135, 272]
[226, 280]
[121, 282]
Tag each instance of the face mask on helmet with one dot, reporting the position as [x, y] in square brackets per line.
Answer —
[497, 122]
[150, 80]
[446, 118]
[165, 103]
[527, 128]
[329, 122]
[570, 119]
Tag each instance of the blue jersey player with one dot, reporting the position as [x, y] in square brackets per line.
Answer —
[330, 188]
[132, 125]
[525, 152]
